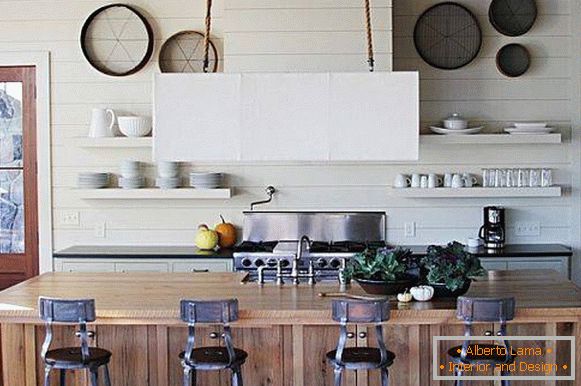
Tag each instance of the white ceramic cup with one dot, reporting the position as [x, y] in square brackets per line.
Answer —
[424, 182]
[401, 181]
[102, 122]
[448, 180]
[416, 180]
[469, 180]
[457, 181]
[434, 180]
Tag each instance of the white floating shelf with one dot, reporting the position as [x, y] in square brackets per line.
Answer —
[490, 139]
[118, 142]
[154, 194]
[554, 191]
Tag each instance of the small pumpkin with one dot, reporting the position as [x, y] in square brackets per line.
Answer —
[404, 297]
[206, 238]
[422, 293]
[226, 233]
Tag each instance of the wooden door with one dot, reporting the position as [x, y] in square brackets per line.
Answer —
[18, 191]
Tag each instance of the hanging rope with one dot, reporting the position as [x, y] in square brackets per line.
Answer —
[206, 64]
[370, 58]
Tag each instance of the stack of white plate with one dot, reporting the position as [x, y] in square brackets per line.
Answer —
[132, 182]
[131, 175]
[93, 180]
[469, 130]
[529, 128]
[168, 175]
[203, 180]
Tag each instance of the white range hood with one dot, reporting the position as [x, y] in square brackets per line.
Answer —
[287, 117]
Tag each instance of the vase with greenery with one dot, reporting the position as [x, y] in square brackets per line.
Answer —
[383, 271]
[450, 269]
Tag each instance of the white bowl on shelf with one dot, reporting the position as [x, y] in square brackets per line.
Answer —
[168, 169]
[134, 126]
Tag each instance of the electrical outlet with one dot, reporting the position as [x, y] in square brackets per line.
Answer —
[100, 230]
[410, 229]
[528, 229]
[69, 218]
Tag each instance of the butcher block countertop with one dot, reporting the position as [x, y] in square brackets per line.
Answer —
[153, 298]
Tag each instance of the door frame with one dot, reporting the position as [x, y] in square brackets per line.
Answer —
[41, 60]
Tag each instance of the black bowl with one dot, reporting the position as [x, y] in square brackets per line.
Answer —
[441, 291]
[380, 287]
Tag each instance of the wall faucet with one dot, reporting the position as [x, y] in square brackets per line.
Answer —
[295, 267]
[270, 191]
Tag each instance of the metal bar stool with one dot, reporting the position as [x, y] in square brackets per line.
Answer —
[84, 357]
[361, 358]
[470, 310]
[211, 358]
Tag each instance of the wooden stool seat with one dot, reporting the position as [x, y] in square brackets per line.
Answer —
[479, 359]
[68, 357]
[215, 358]
[359, 358]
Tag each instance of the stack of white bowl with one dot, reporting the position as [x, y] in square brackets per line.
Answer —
[91, 180]
[205, 180]
[168, 175]
[131, 175]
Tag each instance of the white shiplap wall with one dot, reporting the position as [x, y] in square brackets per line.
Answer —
[303, 35]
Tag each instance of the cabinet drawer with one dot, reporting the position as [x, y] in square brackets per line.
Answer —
[206, 265]
[141, 267]
[555, 265]
[75, 266]
[494, 265]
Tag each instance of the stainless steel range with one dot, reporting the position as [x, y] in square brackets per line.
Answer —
[305, 246]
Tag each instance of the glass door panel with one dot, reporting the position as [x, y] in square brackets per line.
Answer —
[11, 154]
[12, 235]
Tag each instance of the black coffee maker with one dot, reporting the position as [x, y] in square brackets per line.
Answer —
[493, 231]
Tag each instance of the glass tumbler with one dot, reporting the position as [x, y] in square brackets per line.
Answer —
[511, 178]
[500, 178]
[546, 178]
[535, 178]
[523, 178]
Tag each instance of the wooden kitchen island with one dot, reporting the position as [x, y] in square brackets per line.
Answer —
[286, 331]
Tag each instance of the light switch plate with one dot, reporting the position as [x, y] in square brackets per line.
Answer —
[70, 218]
[527, 228]
[100, 230]
[410, 229]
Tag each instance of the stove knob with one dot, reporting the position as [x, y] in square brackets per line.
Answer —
[271, 263]
[321, 263]
[335, 263]
[246, 262]
[284, 263]
[258, 262]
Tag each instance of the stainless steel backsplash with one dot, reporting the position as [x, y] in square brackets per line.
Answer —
[320, 226]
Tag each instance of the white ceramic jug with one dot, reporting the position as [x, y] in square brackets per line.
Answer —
[102, 122]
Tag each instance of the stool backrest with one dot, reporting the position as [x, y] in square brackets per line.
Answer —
[360, 311]
[494, 310]
[471, 309]
[209, 311]
[68, 311]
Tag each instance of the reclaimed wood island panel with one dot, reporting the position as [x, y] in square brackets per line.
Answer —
[286, 331]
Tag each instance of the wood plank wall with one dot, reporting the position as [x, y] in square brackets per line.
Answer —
[303, 35]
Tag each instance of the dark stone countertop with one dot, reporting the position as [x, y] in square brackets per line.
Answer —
[188, 252]
[510, 250]
[141, 252]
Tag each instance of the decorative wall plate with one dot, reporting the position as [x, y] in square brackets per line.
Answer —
[184, 52]
[448, 36]
[117, 40]
[513, 60]
[512, 17]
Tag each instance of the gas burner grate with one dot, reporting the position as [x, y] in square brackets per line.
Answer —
[252, 246]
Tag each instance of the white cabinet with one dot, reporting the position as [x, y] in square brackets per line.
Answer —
[142, 266]
[112, 264]
[83, 265]
[555, 263]
[203, 265]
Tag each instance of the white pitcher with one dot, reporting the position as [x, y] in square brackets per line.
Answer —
[102, 122]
